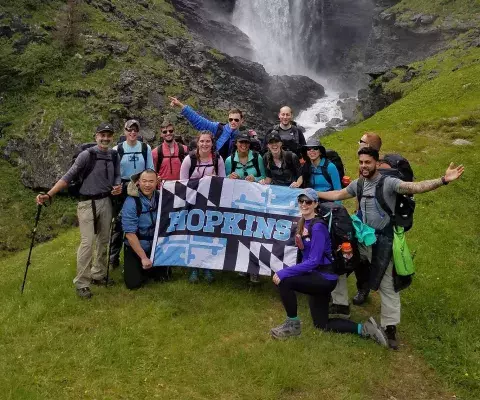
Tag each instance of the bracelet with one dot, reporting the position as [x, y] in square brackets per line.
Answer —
[444, 182]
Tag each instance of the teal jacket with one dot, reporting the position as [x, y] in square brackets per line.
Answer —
[248, 169]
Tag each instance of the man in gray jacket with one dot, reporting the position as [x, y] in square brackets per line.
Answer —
[98, 168]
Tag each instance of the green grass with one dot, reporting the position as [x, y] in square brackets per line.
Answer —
[178, 341]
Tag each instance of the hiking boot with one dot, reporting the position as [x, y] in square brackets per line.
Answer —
[193, 278]
[103, 282]
[360, 297]
[291, 327]
[84, 293]
[391, 332]
[339, 311]
[242, 274]
[254, 278]
[370, 329]
[208, 275]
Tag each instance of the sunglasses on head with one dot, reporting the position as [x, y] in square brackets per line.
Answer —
[167, 130]
[233, 119]
[317, 148]
[306, 201]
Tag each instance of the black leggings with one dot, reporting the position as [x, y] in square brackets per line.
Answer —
[319, 289]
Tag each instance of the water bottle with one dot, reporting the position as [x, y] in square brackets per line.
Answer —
[347, 251]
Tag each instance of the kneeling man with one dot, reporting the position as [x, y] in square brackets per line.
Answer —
[139, 215]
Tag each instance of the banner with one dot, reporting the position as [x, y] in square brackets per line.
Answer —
[226, 224]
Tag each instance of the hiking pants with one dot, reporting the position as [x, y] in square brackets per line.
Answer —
[340, 293]
[318, 288]
[92, 252]
[133, 273]
[390, 300]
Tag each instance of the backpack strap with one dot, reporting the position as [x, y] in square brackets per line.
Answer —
[381, 198]
[234, 163]
[215, 163]
[120, 150]
[159, 157]
[181, 152]
[255, 162]
[219, 131]
[360, 184]
[193, 162]
[145, 152]
[325, 172]
[138, 205]
[92, 160]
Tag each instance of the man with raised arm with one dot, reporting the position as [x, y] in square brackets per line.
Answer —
[381, 252]
[224, 135]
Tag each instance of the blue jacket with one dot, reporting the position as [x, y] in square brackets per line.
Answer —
[315, 253]
[224, 143]
[143, 225]
[313, 177]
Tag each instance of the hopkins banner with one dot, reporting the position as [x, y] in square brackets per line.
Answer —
[226, 224]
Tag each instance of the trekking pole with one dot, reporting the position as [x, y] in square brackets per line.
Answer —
[112, 225]
[34, 231]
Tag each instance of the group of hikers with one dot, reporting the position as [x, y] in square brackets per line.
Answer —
[118, 202]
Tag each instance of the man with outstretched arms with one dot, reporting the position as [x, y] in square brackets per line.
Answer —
[291, 134]
[99, 169]
[224, 135]
[380, 253]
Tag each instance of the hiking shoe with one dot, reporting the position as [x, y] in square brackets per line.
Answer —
[193, 278]
[84, 293]
[339, 311]
[370, 329]
[360, 297]
[255, 278]
[242, 274]
[291, 327]
[208, 275]
[391, 332]
[103, 282]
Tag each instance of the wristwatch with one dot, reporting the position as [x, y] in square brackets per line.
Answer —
[444, 181]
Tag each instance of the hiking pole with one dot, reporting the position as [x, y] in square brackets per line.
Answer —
[34, 231]
[112, 225]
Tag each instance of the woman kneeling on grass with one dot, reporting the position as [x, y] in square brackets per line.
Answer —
[315, 276]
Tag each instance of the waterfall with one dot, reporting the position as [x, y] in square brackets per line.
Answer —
[274, 28]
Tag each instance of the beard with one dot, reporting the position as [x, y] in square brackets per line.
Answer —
[369, 174]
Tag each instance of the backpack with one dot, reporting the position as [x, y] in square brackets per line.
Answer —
[295, 138]
[161, 156]
[333, 157]
[404, 204]
[75, 186]
[254, 162]
[193, 162]
[339, 224]
[288, 160]
[144, 152]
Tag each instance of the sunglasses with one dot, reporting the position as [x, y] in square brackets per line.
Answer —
[362, 142]
[316, 148]
[131, 130]
[307, 202]
[167, 130]
[233, 119]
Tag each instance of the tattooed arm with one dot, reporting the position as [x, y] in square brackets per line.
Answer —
[451, 174]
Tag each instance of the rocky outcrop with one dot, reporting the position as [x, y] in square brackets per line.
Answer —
[209, 19]
[192, 71]
[373, 99]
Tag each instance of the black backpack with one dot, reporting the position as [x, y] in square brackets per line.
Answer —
[144, 152]
[193, 163]
[404, 204]
[161, 156]
[339, 224]
[75, 186]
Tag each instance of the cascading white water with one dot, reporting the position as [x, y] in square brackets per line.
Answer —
[278, 31]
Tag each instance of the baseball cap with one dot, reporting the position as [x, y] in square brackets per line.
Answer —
[274, 136]
[132, 122]
[243, 137]
[105, 127]
[310, 193]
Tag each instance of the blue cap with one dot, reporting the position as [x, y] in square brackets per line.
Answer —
[310, 193]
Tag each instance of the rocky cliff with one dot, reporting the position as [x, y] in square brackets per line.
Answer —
[129, 58]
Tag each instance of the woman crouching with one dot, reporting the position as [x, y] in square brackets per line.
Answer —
[316, 277]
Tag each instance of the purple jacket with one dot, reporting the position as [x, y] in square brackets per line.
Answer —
[315, 253]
